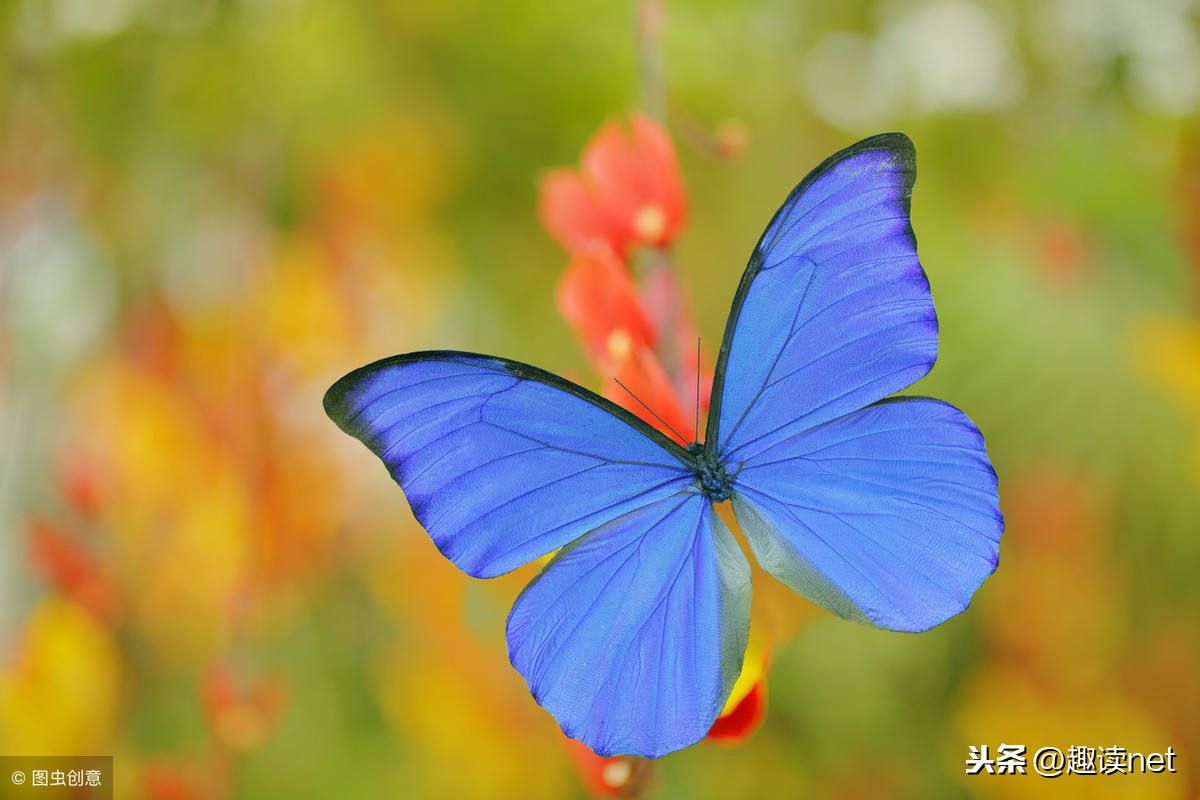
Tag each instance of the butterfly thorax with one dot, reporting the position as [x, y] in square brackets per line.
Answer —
[711, 478]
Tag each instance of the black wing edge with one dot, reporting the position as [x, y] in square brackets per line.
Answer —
[340, 395]
[904, 155]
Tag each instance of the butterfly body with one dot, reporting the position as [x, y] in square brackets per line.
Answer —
[880, 509]
[712, 478]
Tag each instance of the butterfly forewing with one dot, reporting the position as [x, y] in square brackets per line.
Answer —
[500, 463]
[834, 310]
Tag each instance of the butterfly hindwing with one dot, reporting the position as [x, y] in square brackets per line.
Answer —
[887, 515]
[502, 463]
[633, 636]
[833, 311]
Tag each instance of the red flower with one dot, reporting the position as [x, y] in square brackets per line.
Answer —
[71, 569]
[241, 718]
[628, 191]
[162, 780]
[166, 778]
[648, 394]
[82, 485]
[597, 298]
[743, 720]
[747, 704]
[615, 776]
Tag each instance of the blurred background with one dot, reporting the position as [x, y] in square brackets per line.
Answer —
[211, 209]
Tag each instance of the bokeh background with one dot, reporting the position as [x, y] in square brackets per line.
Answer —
[211, 209]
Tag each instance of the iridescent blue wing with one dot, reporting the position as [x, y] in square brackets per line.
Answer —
[888, 514]
[833, 311]
[501, 462]
[633, 636]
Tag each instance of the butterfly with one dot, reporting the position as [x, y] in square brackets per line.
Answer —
[879, 509]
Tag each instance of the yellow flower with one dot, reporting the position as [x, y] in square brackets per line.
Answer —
[180, 509]
[58, 695]
[302, 319]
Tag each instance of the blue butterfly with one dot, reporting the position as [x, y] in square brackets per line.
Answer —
[883, 511]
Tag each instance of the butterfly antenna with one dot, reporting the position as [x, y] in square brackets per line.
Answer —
[651, 410]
